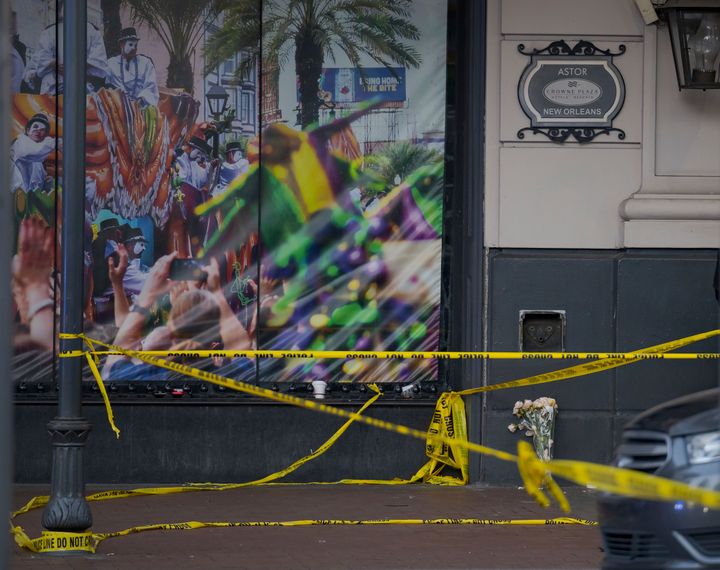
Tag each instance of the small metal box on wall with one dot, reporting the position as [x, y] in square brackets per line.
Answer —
[542, 331]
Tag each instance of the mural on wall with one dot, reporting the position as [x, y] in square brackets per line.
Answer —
[293, 202]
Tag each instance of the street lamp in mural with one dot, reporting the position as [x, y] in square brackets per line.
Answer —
[222, 114]
[695, 38]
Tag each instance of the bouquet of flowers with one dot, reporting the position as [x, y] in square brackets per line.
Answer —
[538, 420]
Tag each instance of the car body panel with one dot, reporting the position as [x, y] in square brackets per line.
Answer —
[662, 535]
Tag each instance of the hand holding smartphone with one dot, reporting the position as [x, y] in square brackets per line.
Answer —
[186, 270]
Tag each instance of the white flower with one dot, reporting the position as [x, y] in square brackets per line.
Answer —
[527, 404]
[513, 428]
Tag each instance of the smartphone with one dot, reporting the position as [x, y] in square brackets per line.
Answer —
[186, 270]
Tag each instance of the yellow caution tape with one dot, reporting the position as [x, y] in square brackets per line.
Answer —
[41, 501]
[88, 542]
[607, 360]
[449, 421]
[610, 479]
[294, 400]
[446, 445]
[652, 352]
[58, 541]
[108, 408]
[65, 542]
[341, 354]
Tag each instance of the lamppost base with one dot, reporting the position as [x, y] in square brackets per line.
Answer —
[67, 510]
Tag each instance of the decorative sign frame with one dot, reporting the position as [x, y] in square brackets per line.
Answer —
[571, 91]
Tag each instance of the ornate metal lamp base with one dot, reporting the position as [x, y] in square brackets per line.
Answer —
[68, 511]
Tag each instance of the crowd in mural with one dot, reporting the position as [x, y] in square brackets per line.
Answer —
[199, 237]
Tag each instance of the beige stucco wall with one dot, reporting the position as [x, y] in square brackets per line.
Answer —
[659, 187]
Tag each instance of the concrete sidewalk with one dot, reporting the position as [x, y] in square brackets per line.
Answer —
[393, 547]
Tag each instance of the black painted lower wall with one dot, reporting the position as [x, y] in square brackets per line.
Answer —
[614, 301]
[175, 443]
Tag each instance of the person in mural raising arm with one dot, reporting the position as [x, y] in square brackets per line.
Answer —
[46, 64]
[132, 72]
[234, 165]
[199, 318]
[194, 164]
[28, 153]
[31, 285]
[134, 243]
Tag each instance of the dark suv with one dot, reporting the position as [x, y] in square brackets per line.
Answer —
[679, 440]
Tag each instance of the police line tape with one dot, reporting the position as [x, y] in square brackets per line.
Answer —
[451, 437]
[88, 541]
[51, 541]
[602, 364]
[659, 350]
[406, 355]
[446, 444]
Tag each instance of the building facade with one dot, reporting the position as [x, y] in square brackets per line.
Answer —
[610, 243]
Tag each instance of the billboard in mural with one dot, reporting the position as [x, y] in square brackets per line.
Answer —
[343, 85]
[237, 197]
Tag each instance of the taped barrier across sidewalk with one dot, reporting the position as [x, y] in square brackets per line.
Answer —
[50, 541]
[88, 541]
[446, 445]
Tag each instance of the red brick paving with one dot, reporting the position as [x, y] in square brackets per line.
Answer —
[396, 547]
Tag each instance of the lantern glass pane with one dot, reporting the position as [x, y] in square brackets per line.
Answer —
[678, 40]
[695, 37]
[691, 26]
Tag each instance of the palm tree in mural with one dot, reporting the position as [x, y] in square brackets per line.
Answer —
[180, 25]
[314, 30]
[396, 161]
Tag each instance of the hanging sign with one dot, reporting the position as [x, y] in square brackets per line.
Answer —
[574, 91]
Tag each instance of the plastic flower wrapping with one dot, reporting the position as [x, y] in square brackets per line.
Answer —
[537, 419]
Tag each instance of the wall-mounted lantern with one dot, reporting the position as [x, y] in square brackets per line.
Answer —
[695, 37]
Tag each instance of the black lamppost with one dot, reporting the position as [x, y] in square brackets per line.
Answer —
[223, 115]
[67, 509]
[695, 38]
[6, 241]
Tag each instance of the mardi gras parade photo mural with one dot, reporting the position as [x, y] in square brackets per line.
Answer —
[261, 175]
